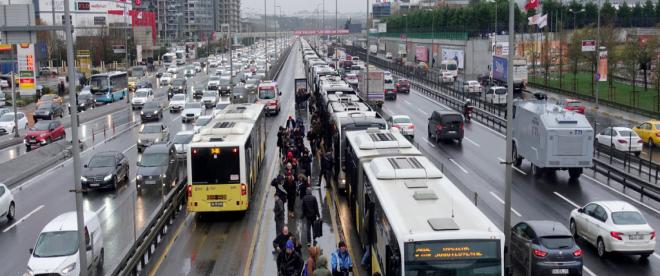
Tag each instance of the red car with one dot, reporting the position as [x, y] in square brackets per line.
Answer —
[403, 85]
[43, 133]
[572, 105]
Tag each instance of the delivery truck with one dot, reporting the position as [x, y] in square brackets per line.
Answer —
[551, 138]
[500, 67]
[375, 96]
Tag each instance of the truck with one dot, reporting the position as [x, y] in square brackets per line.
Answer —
[551, 138]
[499, 70]
[375, 96]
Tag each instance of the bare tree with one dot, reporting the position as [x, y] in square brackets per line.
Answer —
[50, 41]
[630, 61]
[575, 53]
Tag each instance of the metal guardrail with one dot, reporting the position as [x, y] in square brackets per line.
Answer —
[493, 117]
[631, 163]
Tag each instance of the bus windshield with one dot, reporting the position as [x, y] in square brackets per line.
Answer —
[99, 84]
[167, 58]
[206, 161]
[453, 257]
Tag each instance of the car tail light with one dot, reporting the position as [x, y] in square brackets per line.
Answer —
[398, 84]
[577, 253]
[657, 134]
[411, 126]
[243, 189]
[640, 141]
[439, 127]
[189, 190]
[396, 126]
[622, 141]
[461, 126]
[540, 253]
[616, 235]
[652, 234]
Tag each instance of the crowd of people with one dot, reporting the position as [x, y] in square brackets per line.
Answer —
[294, 183]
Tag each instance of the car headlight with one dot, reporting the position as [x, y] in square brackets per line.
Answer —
[138, 177]
[141, 112]
[84, 179]
[29, 272]
[155, 111]
[180, 87]
[157, 140]
[162, 176]
[107, 177]
[69, 268]
[139, 140]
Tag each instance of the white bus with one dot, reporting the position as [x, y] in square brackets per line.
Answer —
[224, 160]
[363, 146]
[169, 59]
[180, 57]
[419, 223]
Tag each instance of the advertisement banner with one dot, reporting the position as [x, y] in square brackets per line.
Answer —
[422, 53]
[144, 18]
[602, 66]
[500, 48]
[321, 32]
[26, 69]
[456, 54]
[382, 27]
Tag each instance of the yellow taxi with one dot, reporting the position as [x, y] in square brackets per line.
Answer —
[649, 131]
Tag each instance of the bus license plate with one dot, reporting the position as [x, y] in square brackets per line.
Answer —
[150, 182]
[636, 237]
[216, 204]
[560, 271]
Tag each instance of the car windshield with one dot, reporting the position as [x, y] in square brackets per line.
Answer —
[267, 94]
[203, 121]
[558, 242]
[154, 159]
[151, 105]
[166, 75]
[401, 120]
[627, 218]
[179, 97]
[183, 138]
[40, 126]
[500, 91]
[193, 105]
[151, 129]
[209, 94]
[221, 106]
[177, 82]
[56, 244]
[252, 81]
[137, 72]
[141, 94]
[84, 96]
[9, 117]
[46, 105]
[101, 161]
[452, 66]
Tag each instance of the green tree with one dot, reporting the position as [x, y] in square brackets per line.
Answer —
[624, 15]
[637, 14]
[647, 52]
[608, 14]
[630, 60]
[590, 14]
[648, 12]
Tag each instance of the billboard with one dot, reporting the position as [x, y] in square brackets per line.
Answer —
[456, 54]
[422, 53]
[320, 32]
[26, 69]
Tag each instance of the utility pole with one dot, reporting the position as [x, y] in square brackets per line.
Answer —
[75, 148]
[266, 37]
[366, 28]
[336, 35]
[13, 91]
[597, 68]
[509, 140]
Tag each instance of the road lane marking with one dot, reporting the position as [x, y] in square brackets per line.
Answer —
[129, 148]
[514, 167]
[473, 142]
[622, 194]
[22, 219]
[169, 245]
[656, 256]
[502, 201]
[429, 142]
[407, 102]
[566, 199]
[586, 269]
[458, 165]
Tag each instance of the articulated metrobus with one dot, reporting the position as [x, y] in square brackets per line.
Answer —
[363, 146]
[419, 223]
[109, 87]
[224, 159]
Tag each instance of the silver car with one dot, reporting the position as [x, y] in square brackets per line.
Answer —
[152, 133]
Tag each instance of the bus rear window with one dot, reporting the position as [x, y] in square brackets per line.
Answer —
[215, 165]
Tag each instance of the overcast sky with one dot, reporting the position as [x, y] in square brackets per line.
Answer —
[293, 6]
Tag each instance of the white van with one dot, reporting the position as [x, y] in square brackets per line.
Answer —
[496, 95]
[56, 249]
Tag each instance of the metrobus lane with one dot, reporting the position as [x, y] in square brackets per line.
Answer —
[220, 244]
[533, 198]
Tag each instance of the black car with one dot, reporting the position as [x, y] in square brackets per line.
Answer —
[240, 95]
[179, 86]
[446, 124]
[48, 111]
[198, 91]
[85, 101]
[105, 170]
[158, 168]
[159, 74]
[547, 246]
[151, 111]
[143, 84]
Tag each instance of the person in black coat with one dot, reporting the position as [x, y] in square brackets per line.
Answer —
[280, 241]
[289, 262]
[310, 209]
[290, 188]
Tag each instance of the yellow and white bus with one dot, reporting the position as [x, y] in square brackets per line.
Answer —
[419, 223]
[224, 160]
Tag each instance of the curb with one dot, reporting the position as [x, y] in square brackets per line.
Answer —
[10, 142]
[27, 173]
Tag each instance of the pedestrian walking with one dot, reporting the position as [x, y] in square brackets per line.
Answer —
[340, 261]
[322, 267]
[289, 262]
[290, 188]
[313, 253]
[310, 209]
[280, 241]
[279, 213]
[327, 163]
[290, 123]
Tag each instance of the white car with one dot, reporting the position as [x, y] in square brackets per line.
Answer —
[142, 96]
[472, 86]
[214, 83]
[198, 66]
[7, 122]
[388, 55]
[613, 226]
[210, 98]
[621, 138]
[447, 77]
[201, 122]
[165, 79]
[181, 143]
[191, 111]
[177, 102]
[7, 205]
[403, 123]
[172, 70]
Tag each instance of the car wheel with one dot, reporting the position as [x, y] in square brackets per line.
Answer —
[517, 160]
[637, 154]
[573, 229]
[11, 213]
[536, 171]
[28, 148]
[115, 183]
[644, 256]
[600, 248]
[127, 176]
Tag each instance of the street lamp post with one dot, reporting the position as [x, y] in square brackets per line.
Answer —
[579, 11]
[266, 37]
[597, 65]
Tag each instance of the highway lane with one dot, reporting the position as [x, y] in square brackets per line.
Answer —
[220, 244]
[474, 167]
[123, 214]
